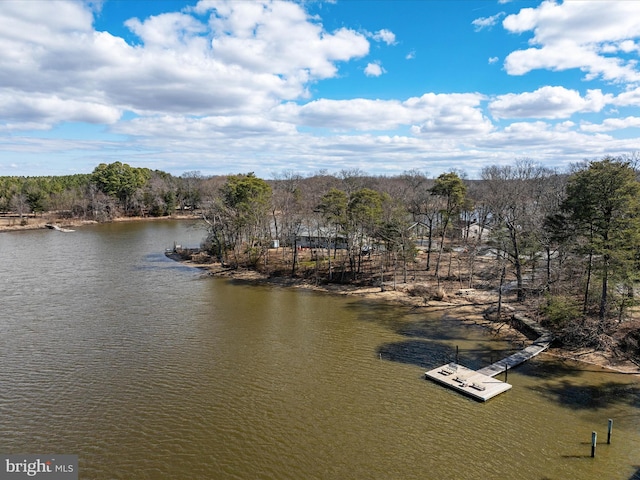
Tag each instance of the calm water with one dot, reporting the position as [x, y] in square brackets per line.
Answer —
[147, 369]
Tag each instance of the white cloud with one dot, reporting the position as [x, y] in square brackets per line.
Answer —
[278, 38]
[431, 114]
[547, 102]
[630, 98]
[487, 22]
[557, 147]
[52, 109]
[374, 69]
[169, 30]
[189, 128]
[358, 114]
[265, 147]
[386, 36]
[411, 55]
[565, 126]
[493, 60]
[249, 57]
[226, 84]
[572, 35]
[457, 114]
[611, 124]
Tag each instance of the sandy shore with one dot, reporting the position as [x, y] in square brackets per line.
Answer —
[13, 224]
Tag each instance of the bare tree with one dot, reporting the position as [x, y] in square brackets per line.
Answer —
[514, 196]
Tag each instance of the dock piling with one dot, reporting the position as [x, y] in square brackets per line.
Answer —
[609, 430]
[594, 437]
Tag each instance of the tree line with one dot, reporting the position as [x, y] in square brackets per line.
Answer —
[569, 238]
[110, 191]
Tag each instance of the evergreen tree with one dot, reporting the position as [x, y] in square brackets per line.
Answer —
[602, 206]
[452, 189]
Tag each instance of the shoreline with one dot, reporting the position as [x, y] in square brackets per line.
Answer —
[467, 306]
[11, 224]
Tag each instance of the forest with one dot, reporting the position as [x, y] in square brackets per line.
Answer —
[566, 242]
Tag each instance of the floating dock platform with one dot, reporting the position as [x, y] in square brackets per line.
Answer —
[480, 384]
[468, 382]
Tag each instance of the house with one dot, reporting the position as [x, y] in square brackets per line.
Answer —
[320, 239]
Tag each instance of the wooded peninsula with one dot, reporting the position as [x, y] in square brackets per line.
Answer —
[563, 246]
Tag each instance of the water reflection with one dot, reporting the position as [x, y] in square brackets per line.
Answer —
[428, 340]
[424, 354]
[591, 397]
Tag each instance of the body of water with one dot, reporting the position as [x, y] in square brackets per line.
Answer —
[147, 369]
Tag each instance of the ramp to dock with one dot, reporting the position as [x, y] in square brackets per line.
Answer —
[480, 384]
[537, 347]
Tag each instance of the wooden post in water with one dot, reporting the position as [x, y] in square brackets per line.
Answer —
[609, 429]
[456, 354]
[506, 369]
[594, 437]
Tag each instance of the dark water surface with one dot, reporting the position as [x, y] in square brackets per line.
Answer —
[147, 369]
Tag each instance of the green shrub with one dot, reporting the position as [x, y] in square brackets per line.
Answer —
[559, 311]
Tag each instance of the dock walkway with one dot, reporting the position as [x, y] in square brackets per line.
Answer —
[537, 347]
[478, 384]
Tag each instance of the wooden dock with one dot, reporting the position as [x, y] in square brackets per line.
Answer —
[537, 347]
[480, 384]
[468, 382]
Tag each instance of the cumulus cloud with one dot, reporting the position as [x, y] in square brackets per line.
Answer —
[611, 124]
[386, 36]
[358, 114]
[580, 35]
[374, 69]
[457, 114]
[52, 109]
[210, 127]
[547, 102]
[278, 38]
[546, 142]
[169, 30]
[230, 83]
[431, 114]
[216, 58]
[630, 98]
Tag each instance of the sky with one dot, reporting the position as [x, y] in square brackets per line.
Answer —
[311, 86]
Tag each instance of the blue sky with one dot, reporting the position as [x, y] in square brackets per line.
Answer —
[269, 86]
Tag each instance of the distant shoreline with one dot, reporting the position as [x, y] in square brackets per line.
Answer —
[12, 224]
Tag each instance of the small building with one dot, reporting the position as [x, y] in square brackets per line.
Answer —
[320, 239]
[475, 231]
